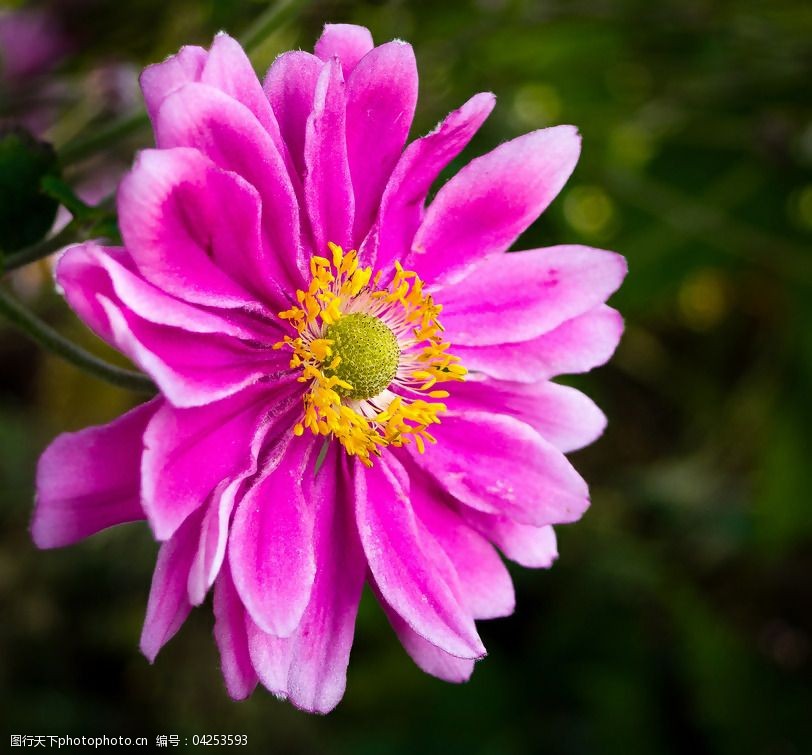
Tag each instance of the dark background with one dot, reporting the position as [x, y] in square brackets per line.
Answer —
[678, 618]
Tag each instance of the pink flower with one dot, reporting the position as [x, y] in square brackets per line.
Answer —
[290, 457]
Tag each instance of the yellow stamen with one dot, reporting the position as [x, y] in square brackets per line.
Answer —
[338, 288]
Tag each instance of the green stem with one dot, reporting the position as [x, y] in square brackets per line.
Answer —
[47, 337]
[106, 136]
[68, 235]
[276, 15]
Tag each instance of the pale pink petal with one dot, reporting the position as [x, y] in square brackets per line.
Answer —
[518, 297]
[271, 550]
[232, 639]
[328, 187]
[428, 657]
[90, 480]
[224, 130]
[381, 98]
[499, 465]
[490, 202]
[290, 86]
[168, 604]
[402, 204]
[188, 452]
[533, 547]
[408, 567]
[347, 42]
[561, 415]
[271, 658]
[190, 227]
[576, 346]
[484, 582]
[161, 79]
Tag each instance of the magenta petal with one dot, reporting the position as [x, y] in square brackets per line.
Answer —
[290, 86]
[533, 547]
[85, 271]
[227, 133]
[402, 204]
[381, 98]
[171, 212]
[517, 297]
[276, 419]
[328, 187]
[578, 345]
[190, 370]
[411, 571]
[490, 202]
[168, 604]
[428, 657]
[499, 465]
[321, 645]
[188, 452]
[561, 415]
[271, 550]
[161, 79]
[229, 69]
[347, 42]
[484, 581]
[90, 480]
[232, 639]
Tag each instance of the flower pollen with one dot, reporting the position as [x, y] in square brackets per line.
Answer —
[372, 356]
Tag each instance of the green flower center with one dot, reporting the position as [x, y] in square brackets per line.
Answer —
[369, 354]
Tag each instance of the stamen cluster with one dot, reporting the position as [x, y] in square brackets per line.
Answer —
[399, 412]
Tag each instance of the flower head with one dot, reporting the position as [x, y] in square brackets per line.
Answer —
[355, 387]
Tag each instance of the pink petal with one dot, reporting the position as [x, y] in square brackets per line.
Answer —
[278, 418]
[168, 604]
[499, 465]
[533, 547]
[90, 480]
[161, 79]
[517, 297]
[232, 639]
[328, 187]
[86, 270]
[271, 550]
[561, 415]
[226, 132]
[171, 212]
[411, 571]
[402, 204]
[347, 42]
[428, 657]
[578, 345]
[229, 69]
[485, 584]
[188, 452]
[191, 370]
[290, 86]
[310, 667]
[381, 98]
[490, 202]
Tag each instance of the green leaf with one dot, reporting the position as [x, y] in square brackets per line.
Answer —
[26, 212]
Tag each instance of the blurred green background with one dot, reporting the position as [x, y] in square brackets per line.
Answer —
[679, 616]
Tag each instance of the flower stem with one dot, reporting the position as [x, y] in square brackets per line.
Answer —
[47, 337]
[106, 136]
[68, 235]
[274, 17]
